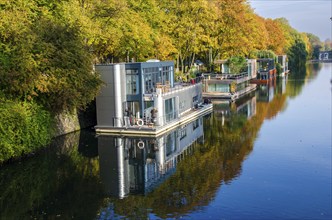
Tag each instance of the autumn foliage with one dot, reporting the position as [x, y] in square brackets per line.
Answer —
[48, 47]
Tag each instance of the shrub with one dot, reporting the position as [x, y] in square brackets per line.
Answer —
[24, 128]
[237, 64]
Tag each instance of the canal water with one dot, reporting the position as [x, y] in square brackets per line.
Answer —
[265, 156]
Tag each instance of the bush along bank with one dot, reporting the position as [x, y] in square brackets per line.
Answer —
[24, 128]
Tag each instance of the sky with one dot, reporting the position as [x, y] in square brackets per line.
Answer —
[310, 16]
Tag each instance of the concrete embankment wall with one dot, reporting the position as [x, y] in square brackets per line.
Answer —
[67, 122]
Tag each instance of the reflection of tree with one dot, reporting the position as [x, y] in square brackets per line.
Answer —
[299, 77]
[296, 81]
[316, 67]
[294, 86]
[59, 182]
[275, 106]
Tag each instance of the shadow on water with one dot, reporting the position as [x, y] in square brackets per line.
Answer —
[59, 182]
[82, 176]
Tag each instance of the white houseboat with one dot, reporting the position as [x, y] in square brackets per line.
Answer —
[143, 99]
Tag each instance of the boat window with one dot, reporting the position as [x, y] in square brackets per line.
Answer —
[170, 109]
[132, 81]
[170, 143]
[195, 124]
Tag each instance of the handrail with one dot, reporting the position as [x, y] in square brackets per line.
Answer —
[176, 88]
[164, 120]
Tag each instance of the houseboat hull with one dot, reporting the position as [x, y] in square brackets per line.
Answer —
[230, 96]
[264, 82]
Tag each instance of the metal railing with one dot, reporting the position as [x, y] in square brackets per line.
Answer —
[177, 87]
[154, 121]
[227, 76]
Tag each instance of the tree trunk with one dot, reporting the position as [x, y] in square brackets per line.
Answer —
[192, 60]
[177, 63]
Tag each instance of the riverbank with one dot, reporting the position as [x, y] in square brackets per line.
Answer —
[320, 61]
[26, 127]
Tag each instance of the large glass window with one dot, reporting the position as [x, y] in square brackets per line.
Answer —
[148, 87]
[150, 79]
[132, 81]
[195, 124]
[265, 65]
[183, 132]
[249, 70]
[154, 75]
[132, 108]
[167, 72]
[170, 109]
[241, 86]
[226, 69]
[170, 143]
[218, 88]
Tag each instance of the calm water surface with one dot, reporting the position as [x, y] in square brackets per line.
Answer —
[266, 156]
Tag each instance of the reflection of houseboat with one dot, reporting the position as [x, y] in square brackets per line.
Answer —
[245, 106]
[142, 99]
[265, 93]
[282, 85]
[266, 71]
[228, 85]
[282, 60]
[131, 165]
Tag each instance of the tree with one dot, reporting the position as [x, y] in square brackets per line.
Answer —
[43, 56]
[297, 45]
[276, 38]
[297, 54]
[185, 26]
[236, 64]
[316, 45]
[328, 44]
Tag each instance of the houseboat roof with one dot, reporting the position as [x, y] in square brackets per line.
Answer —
[147, 63]
[264, 59]
[220, 61]
[225, 61]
